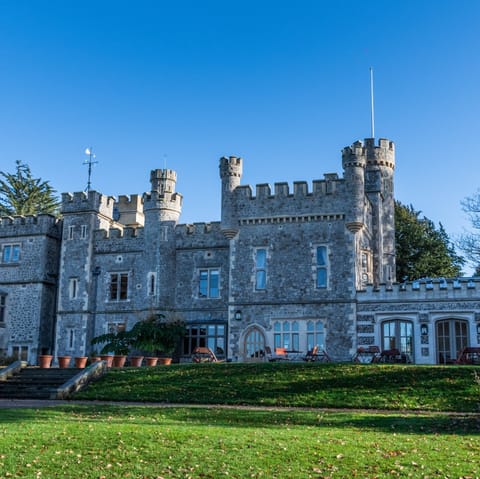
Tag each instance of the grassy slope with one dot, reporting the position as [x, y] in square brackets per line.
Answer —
[393, 387]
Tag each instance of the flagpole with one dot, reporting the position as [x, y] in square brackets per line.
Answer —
[372, 112]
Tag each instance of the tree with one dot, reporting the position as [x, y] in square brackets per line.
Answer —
[470, 242]
[21, 194]
[423, 251]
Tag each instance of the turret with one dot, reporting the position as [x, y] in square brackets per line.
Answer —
[354, 161]
[162, 203]
[230, 174]
[379, 189]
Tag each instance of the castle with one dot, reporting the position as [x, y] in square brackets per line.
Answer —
[287, 268]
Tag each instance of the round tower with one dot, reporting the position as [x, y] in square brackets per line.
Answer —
[162, 203]
[354, 161]
[230, 174]
[379, 189]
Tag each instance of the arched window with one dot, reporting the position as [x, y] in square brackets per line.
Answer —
[398, 334]
[452, 337]
[254, 344]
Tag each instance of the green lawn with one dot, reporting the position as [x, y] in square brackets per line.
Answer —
[96, 441]
[393, 387]
[148, 442]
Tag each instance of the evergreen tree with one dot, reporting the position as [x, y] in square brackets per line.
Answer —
[422, 251]
[21, 194]
[470, 242]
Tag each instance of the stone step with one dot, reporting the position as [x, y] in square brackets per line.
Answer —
[35, 382]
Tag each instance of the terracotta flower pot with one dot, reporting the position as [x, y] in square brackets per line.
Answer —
[45, 360]
[165, 361]
[119, 360]
[151, 361]
[108, 358]
[95, 359]
[64, 361]
[81, 361]
[136, 361]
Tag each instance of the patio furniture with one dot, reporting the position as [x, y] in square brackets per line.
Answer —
[204, 355]
[469, 355]
[315, 354]
[279, 355]
[371, 354]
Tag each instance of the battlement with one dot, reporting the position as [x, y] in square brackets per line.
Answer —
[361, 154]
[118, 232]
[155, 200]
[453, 288]
[87, 202]
[163, 180]
[26, 225]
[327, 186]
[198, 229]
[231, 166]
[128, 210]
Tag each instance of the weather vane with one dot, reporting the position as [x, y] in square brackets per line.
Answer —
[90, 162]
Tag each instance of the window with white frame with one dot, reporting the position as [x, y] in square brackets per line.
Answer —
[3, 306]
[118, 287]
[11, 253]
[151, 283]
[260, 269]
[209, 283]
[315, 335]
[71, 230]
[286, 334]
[83, 231]
[321, 258]
[73, 288]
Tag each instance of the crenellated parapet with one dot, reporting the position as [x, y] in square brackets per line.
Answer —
[451, 288]
[83, 202]
[128, 210]
[29, 225]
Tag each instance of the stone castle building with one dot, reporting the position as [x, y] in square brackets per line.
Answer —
[287, 268]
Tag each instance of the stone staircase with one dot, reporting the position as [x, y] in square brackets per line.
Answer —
[43, 383]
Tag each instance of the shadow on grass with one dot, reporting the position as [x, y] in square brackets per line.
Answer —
[249, 418]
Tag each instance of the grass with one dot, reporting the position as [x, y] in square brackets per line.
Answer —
[391, 387]
[95, 442]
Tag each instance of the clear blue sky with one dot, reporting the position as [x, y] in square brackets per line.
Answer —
[284, 84]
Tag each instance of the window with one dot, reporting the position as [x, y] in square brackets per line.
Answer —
[11, 253]
[83, 231]
[151, 283]
[71, 339]
[209, 283]
[366, 267]
[260, 269]
[205, 335]
[71, 229]
[452, 337]
[322, 267]
[73, 288]
[315, 335]
[398, 335]
[3, 302]
[254, 345]
[118, 286]
[286, 335]
[20, 352]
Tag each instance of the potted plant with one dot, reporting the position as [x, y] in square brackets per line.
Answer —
[117, 343]
[158, 334]
[80, 361]
[63, 361]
